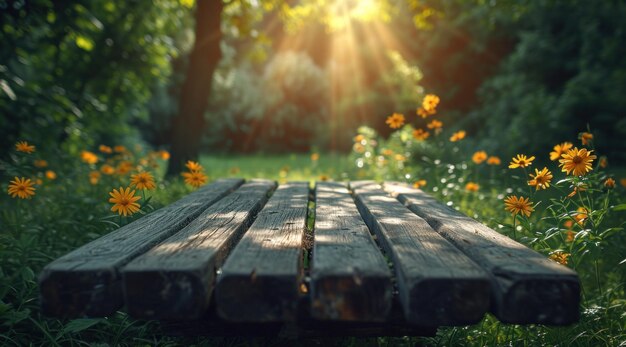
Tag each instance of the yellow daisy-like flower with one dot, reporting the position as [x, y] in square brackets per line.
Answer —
[315, 157]
[89, 157]
[195, 178]
[521, 161]
[124, 201]
[194, 166]
[541, 179]
[420, 134]
[586, 138]
[94, 177]
[581, 216]
[395, 121]
[107, 169]
[40, 163]
[425, 113]
[457, 136]
[609, 183]
[23, 146]
[419, 183]
[577, 161]
[21, 188]
[479, 157]
[430, 102]
[472, 187]
[434, 124]
[560, 257]
[517, 205]
[559, 150]
[142, 180]
[493, 160]
[359, 138]
[359, 148]
[124, 168]
[51, 175]
[105, 149]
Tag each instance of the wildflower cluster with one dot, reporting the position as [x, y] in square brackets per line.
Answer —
[195, 177]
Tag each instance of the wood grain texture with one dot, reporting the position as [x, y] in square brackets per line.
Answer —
[174, 280]
[261, 277]
[437, 284]
[526, 286]
[350, 279]
[86, 281]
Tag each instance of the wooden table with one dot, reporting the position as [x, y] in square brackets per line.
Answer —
[357, 259]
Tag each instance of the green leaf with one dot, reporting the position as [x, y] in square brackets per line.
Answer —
[620, 207]
[78, 325]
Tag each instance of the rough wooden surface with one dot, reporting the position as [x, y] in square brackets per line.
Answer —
[437, 284]
[174, 280]
[260, 279]
[526, 286]
[350, 279]
[86, 281]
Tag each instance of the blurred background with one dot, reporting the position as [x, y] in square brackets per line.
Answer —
[269, 76]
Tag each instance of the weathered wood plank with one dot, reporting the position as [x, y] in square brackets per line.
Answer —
[437, 284]
[174, 280]
[86, 281]
[350, 279]
[526, 286]
[260, 279]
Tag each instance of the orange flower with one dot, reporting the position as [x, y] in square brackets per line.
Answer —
[586, 138]
[195, 178]
[23, 146]
[425, 113]
[420, 134]
[457, 136]
[124, 168]
[479, 157]
[143, 180]
[315, 157]
[419, 183]
[51, 175]
[472, 187]
[434, 124]
[521, 161]
[119, 149]
[493, 160]
[107, 169]
[622, 181]
[581, 216]
[559, 150]
[517, 205]
[40, 163]
[359, 138]
[89, 157]
[395, 121]
[609, 183]
[430, 102]
[124, 201]
[194, 166]
[603, 162]
[21, 188]
[570, 236]
[541, 179]
[94, 177]
[577, 162]
[560, 257]
[165, 155]
[105, 149]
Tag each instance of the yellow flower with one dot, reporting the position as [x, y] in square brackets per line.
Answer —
[387, 152]
[541, 179]
[399, 157]
[603, 162]
[420, 134]
[359, 148]
[89, 157]
[517, 205]
[165, 155]
[419, 183]
[570, 236]
[194, 166]
[521, 161]
[359, 138]
[324, 178]
[39, 181]
[493, 160]
[425, 113]
[560, 257]
[479, 157]
[457, 136]
[124, 201]
[195, 178]
[40, 163]
[142, 180]
[94, 177]
[315, 157]
[559, 150]
[581, 216]
[107, 169]
[105, 149]
[586, 138]
[430, 102]
[577, 162]
[472, 187]
[23, 146]
[434, 124]
[395, 121]
[609, 183]
[51, 175]
[21, 188]
[119, 149]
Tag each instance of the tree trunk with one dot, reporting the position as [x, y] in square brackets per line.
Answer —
[188, 126]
